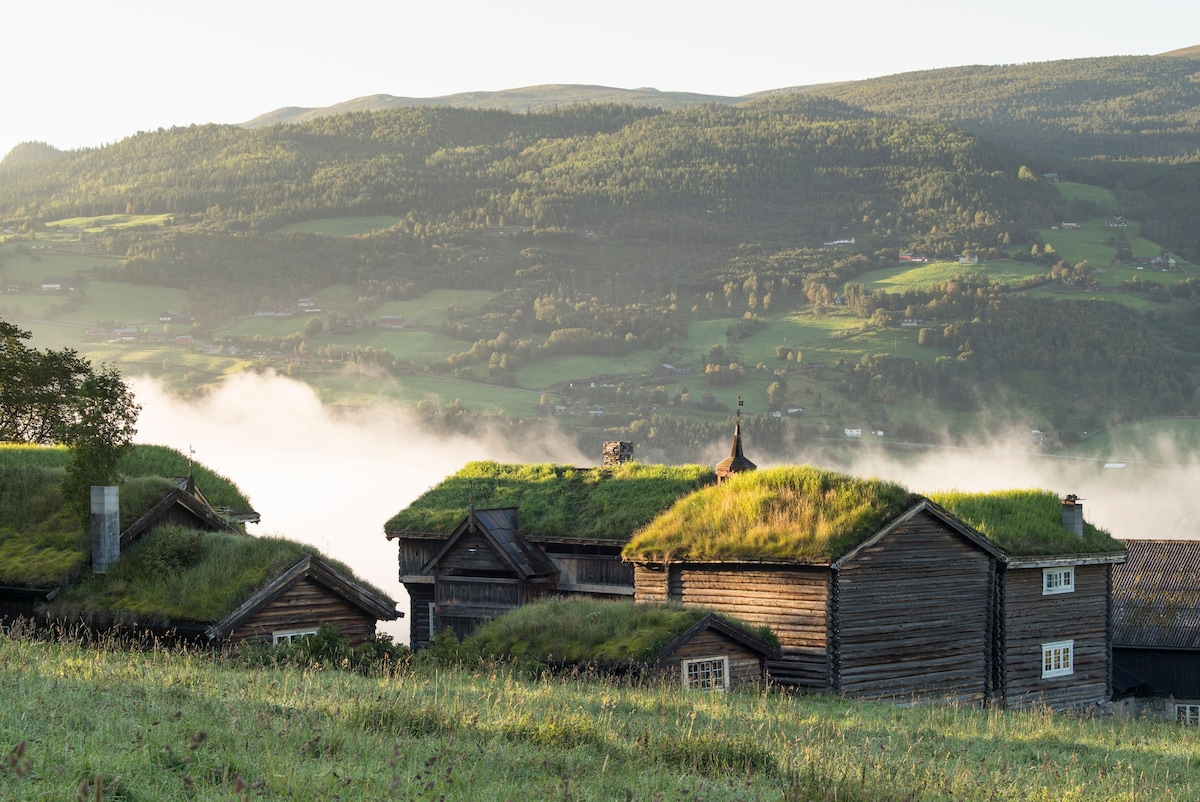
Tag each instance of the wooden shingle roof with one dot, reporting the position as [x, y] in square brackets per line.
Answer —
[1156, 595]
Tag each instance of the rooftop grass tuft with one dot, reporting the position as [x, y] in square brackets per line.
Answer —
[1024, 523]
[583, 630]
[554, 500]
[804, 514]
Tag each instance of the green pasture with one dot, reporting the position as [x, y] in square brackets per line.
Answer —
[1157, 440]
[546, 372]
[29, 265]
[430, 308]
[344, 226]
[99, 223]
[353, 388]
[1103, 198]
[922, 277]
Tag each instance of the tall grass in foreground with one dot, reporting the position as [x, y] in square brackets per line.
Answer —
[102, 723]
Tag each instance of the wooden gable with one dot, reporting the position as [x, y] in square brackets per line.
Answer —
[309, 594]
[912, 610]
[743, 656]
[484, 569]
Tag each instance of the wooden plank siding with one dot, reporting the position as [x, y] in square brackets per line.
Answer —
[304, 605]
[914, 617]
[594, 573]
[1031, 619]
[790, 599]
[415, 552]
[745, 666]
[420, 596]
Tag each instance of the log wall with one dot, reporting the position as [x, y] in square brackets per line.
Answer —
[415, 552]
[1031, 619]
[745, 666]
[306, 605]
[913, 617]
[791, 600]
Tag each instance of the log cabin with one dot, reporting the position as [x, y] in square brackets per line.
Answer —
[686, 645]
[995, 598]
[492, 537]
[1156, 624]
[181, 567]
[876, 592]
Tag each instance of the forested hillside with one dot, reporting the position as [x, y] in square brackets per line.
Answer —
[610, 234]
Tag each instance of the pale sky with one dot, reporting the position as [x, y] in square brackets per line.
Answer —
[82, 74]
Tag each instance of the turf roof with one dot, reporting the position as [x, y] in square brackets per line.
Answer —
[42, 545]
[1025, 523]
[177, 576]
[588, 630]
[804, 514]
[554, 500]
[813, 516]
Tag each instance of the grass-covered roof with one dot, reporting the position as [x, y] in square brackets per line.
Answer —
[42, 544]
[588, 630]
[178, 576]
[1025, 523]
[554, 500]
[813, 516]
[804, 514]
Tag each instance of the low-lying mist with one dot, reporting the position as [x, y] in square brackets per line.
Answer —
[332, 477]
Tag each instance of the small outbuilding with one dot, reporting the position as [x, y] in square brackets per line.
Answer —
[1156, 623]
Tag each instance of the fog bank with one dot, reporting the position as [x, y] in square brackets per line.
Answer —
[332, 478]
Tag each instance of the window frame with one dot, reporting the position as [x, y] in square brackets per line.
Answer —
[1063, 648]
[1065, 582]
[714, 660]
[1187, 714]
[288, 636]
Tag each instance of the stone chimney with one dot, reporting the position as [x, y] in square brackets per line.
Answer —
[106, 529]
[616, 452]
[1072, 514]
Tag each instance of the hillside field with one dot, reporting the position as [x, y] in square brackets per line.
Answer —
[188, 726]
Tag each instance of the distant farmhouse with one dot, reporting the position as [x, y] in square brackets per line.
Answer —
[872, 590]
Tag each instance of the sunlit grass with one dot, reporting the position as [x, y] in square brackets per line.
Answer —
[184, 726]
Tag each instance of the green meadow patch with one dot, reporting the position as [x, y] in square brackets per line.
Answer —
[343, 226]
[1103, 198]
[923, 277]
[99, 223]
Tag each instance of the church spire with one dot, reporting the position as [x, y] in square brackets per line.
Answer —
[736, 462]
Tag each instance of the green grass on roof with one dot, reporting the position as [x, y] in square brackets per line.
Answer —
[174, 575]
[804, 514]
[41, 545]
[555, 500]
[590, 630]
[1024, 523]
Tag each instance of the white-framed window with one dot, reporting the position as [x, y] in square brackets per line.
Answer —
[1058, 658]
[432, 627]
[1188, 715]
[289, 635]
[1058, 580]
[706, 673]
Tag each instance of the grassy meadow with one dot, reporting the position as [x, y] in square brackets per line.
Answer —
[103, 723]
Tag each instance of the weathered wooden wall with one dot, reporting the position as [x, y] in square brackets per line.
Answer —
[912, 614]
[601, 574]
[1168, 672]
[790, 599]
[420, 596]
[306, 604]
[415, 552]
[745, 666]
[1031, 619]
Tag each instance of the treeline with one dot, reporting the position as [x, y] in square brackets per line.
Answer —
[1098, 360]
